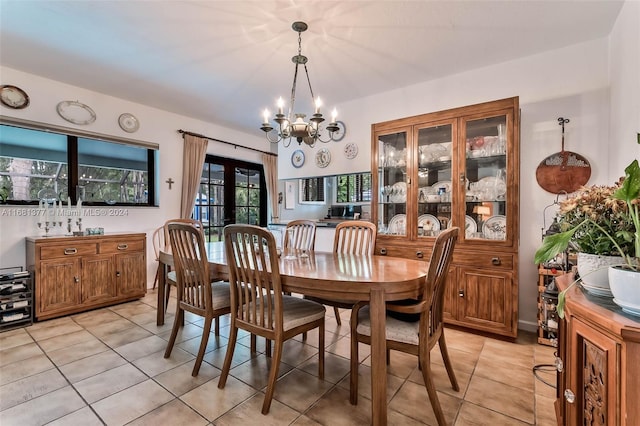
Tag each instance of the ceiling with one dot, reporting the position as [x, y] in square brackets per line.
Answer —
[225, 61]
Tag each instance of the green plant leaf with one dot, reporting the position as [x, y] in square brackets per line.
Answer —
[630, 189]
[553, 245]
[560, 305]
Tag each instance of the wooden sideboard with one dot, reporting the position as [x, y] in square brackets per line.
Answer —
[599, 347]
[74, 274]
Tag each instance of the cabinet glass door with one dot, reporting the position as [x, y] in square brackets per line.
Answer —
[434, 179]
[392, 181]
[486, 191]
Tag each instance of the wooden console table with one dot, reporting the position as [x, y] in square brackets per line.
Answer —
[600, 350]
[74, 274]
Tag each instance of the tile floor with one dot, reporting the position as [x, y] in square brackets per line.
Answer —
[107, 367]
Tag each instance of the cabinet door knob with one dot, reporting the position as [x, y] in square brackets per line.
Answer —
[117, 273]
[496, 261]
[70, 251]
[383, 252]
[123, 246]
[569, 396]
[461, 293]
[419, 255]
[76, 280]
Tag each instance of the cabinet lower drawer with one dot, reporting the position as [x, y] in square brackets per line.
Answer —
[484, 260]
[121, 246]
[68, 250]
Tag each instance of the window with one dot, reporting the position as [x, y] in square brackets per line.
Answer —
[312, 190]
[231, 191]
[353, 188]
[37, 164]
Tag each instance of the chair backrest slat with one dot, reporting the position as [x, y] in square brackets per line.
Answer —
[355, 237]
[254, 276]
[304, 235]
[434, 284]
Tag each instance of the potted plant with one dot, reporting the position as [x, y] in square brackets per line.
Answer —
[622, 230]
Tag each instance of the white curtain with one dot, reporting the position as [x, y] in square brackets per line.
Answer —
[270, 162]
[194, 154]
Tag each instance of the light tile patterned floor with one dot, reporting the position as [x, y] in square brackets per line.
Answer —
[107, 367]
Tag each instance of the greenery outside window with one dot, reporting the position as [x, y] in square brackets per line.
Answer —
[56, 164]
[353, 188]
[312, 190]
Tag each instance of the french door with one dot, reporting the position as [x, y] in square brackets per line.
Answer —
[231, 191]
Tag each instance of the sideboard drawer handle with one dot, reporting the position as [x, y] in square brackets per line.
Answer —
[70, 251]
[383, 252]
[419, 255]
[496, 261]
[123, 246]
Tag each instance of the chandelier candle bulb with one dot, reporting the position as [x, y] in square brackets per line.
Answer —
[280, 106]
[265, 114]
[318, 105]
[334, 115]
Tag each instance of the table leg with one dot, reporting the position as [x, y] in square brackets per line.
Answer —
[378, 359]
[162, 282]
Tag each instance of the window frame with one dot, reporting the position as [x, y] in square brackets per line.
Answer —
[302, 190]
[72, 136]
[359, 175]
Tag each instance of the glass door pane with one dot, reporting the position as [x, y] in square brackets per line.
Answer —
[486, 162]
[434, 179]
[392, 180]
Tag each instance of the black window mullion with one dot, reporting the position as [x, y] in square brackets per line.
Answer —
[73, 167]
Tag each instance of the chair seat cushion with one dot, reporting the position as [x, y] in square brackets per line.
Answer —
[221, 294]
[397, 330]
[297, 311]
[171, 278]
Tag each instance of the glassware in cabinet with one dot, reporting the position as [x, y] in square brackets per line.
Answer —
[485, 171]
[392, 181]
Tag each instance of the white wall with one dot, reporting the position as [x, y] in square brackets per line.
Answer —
[155, 126]
[624, 70]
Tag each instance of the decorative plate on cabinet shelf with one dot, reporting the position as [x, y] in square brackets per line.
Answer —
[495, 228]
[428, 222]
[13, 97]
[470, 226]
[399, 192]
[398, 224]
[351, 150]
[323, 158]
[76, 112]
[128, 122]
[297, 158]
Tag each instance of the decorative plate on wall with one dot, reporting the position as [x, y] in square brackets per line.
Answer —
[128, 122]
[13, 97]
[323, 158]
[76, 112]
[351, 150]
[297, 158]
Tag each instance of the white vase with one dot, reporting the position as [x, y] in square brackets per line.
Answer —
[593, 270]
[625, 286]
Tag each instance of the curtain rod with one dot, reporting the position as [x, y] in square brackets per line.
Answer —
[235, 145]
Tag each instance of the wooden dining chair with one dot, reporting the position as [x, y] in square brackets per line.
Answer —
[171, 276]
[413, 337]
[258, 304]
[304, 235]
[158, 242]
[196, 293]
[351, 237]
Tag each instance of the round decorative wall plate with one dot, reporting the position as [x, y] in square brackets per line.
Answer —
[297, 158]
[13, 97]
[76, 112]
[350, 150]
[323, 158]
[128, 122]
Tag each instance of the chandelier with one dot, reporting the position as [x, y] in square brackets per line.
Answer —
[297, 128]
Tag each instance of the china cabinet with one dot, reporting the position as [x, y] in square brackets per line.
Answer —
[458, 167]
[74, 274]
[599, 349]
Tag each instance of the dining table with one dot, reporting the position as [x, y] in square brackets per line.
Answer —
[329, 275]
